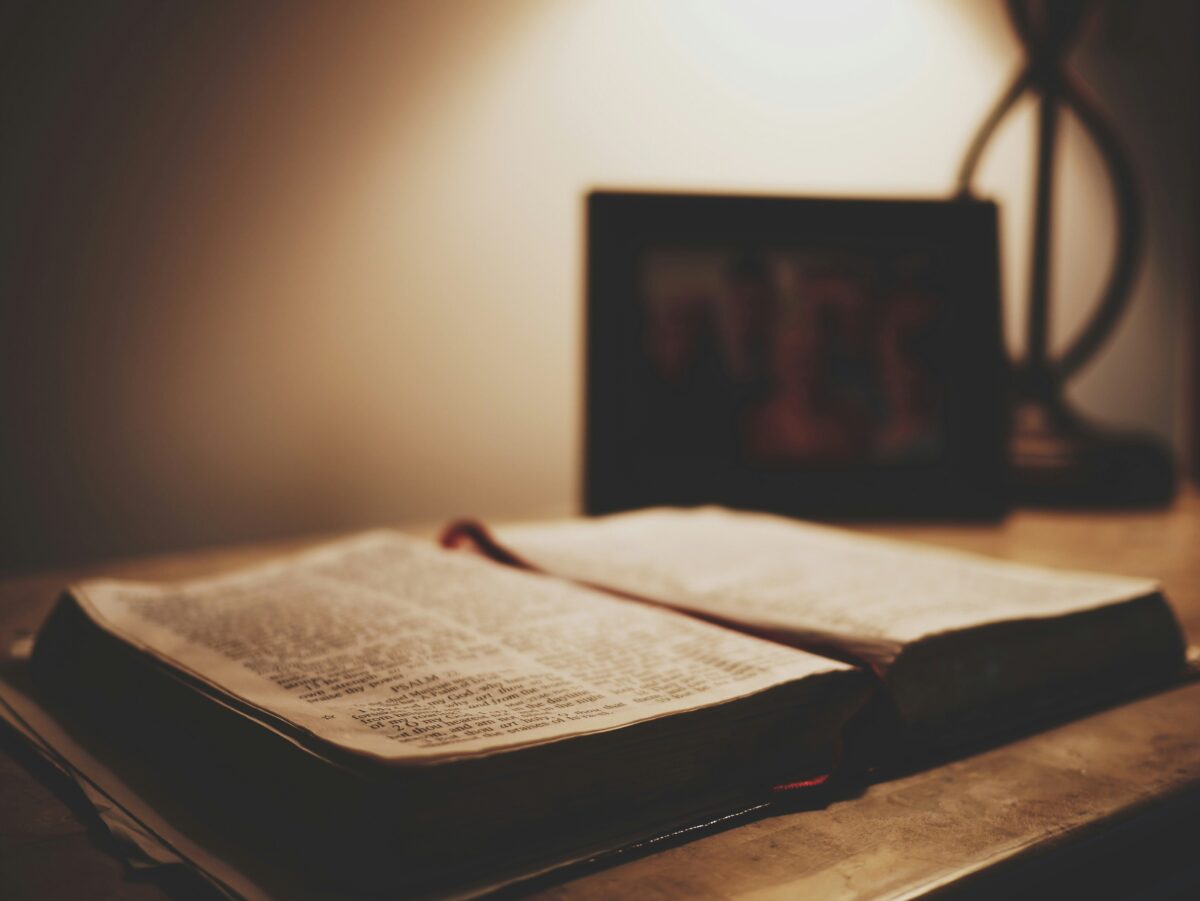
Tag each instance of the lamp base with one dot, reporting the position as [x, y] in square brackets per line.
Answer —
[1058, 459]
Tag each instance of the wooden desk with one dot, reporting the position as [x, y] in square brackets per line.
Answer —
[1108, 804]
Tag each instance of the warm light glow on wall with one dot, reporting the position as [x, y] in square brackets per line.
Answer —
[346, 250]
[468, 219]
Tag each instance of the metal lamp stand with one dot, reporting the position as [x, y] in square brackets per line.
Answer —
[1058, 458]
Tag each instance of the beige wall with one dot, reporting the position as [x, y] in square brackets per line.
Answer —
[274, 270]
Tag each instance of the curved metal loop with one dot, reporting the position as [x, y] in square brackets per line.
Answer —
[966, 172]
[1115, 297]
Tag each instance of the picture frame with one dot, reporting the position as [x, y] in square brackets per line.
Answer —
[808, 356]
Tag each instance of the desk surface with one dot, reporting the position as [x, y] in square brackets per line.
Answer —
[1115, 785]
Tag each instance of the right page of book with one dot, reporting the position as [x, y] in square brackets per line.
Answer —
[778, 574]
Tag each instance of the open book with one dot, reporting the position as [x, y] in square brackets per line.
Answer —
[387, 716]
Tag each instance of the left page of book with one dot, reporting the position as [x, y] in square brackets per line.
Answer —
[387, 646]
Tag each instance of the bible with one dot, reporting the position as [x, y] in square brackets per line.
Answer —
[381, 715]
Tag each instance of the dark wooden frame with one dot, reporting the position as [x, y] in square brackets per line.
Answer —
[970, 478]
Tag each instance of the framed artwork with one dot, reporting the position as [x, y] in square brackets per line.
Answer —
[820, 357]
